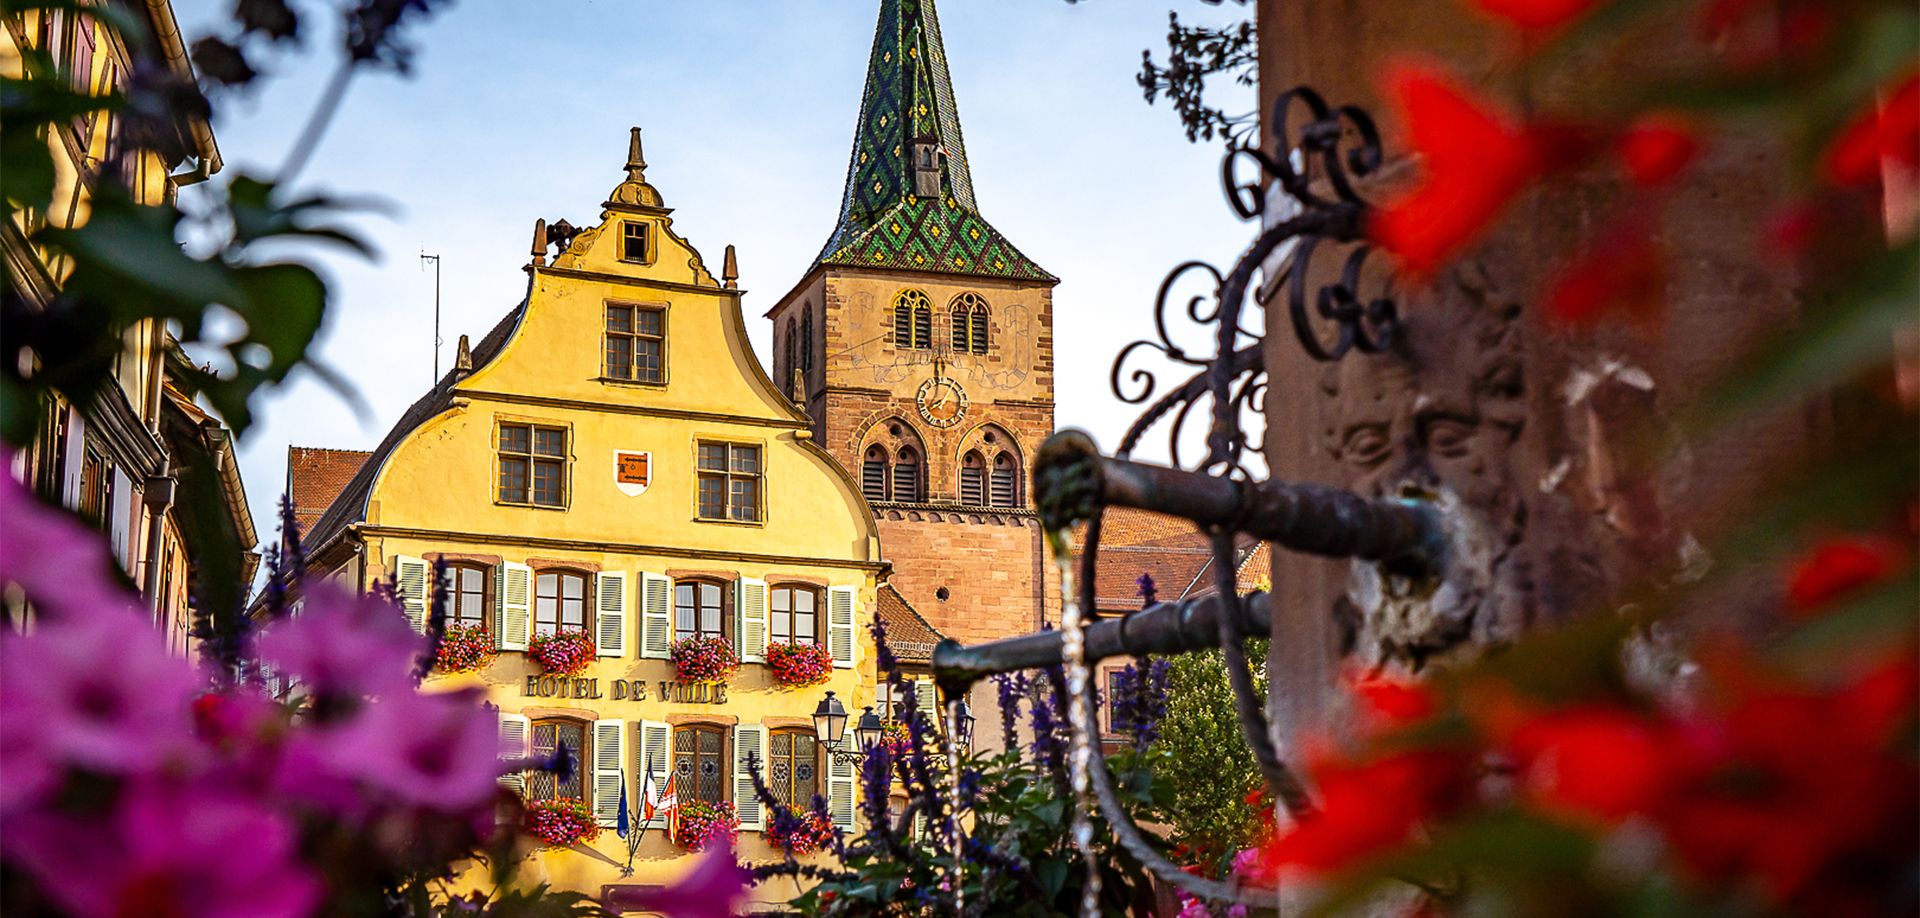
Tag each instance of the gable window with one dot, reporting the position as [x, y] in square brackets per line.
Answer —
[466, 595]
[1005, 481]
[793, 773]
[698, 763]
[906, 476]
[636, 343]
[912, 320]
[533, 462]
[873, 473]
[791, 615]
[634, 243]
[969, 324]
[696, 609]
[559, 602]
[973, 481]
[729, 482]
[547, 736]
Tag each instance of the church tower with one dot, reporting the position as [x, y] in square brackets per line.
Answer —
[920, 342]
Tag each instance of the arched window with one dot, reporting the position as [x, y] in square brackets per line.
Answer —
[559, 602]
[912, 320]
[793, 771]
[873, 473]
[785, 376]
[973, 481]
[548, 735]
[1005, 481]
[696, 609]
[969, 324]
[806, 340]
[906, 476]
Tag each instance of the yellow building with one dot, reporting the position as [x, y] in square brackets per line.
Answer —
[612, 458]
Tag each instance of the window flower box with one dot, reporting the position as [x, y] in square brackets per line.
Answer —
[464, 648]
[702, 823]
[561, 822]
[562, 653]
[800, 664]
[704, 658]
[807, 833]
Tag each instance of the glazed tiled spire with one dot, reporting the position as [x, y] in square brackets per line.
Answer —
[888, 217]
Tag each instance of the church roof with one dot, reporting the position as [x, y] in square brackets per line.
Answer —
[885, 219]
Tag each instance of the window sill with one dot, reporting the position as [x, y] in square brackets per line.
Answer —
[504, 503]
[636, 383]
[751, 524]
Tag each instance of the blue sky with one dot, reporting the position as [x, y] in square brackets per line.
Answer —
[518, 111]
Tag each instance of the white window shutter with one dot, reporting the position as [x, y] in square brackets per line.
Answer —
[514, 603]
[516, 742]
[927, 699]
[609, 755]
[611, 593]
[656, 615]
[843, 786]
[656, 755]
[750, 610]
[410, 584]
[840, 626]
[748, 739]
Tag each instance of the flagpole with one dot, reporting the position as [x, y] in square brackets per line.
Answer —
[634, 838]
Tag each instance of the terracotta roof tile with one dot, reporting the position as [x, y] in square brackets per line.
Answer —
[910, 636]
[315, 476]
[1136, 542]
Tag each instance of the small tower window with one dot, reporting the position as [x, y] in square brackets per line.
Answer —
[786, 374]
[969, 324]
[973, 481]
[873, 474]
[906, 477]
[912, 320]
[1005, 481]
[633, 243]
[806, 340]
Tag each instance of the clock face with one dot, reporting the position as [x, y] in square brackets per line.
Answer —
[942, 402]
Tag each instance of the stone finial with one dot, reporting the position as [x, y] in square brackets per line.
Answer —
[730, 271]
[463, 359]
[540, 241]
[636, 163]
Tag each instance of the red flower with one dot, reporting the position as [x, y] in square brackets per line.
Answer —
[1658, 147]
[1476, 162]
[1366, 809]
[1626, 269]
[1595, 763]
[1394, 703]
[1836, 567]
[1852, 160]
[1537, 14]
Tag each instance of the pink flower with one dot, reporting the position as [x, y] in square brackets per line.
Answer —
[63, 566]
[345, 643]
[101, 692]
[712, 890]
[434, 751]
[168, 851]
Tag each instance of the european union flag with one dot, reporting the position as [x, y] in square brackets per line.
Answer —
[620, 825]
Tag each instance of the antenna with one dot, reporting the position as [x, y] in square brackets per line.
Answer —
[424, 258]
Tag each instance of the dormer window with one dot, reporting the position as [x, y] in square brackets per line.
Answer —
[926, 175]
[634, 245]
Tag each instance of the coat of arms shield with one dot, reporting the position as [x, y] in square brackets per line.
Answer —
[632, 472]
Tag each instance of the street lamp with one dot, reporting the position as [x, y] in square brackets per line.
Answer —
[963, 724]
[830, 721]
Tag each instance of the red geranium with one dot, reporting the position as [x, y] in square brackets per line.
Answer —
[1836, 567]
[563, 653]
[1368, 808]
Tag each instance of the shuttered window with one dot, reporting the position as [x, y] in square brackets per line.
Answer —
[466, 586]
[547, 736]
[906, 477]
[696, 609]
[1005, 481]
[793, 768]
[968, 315]
[559, 602]
[873, 474]
[699, 762]
[793, 615]
[973, 481]
[912, 320]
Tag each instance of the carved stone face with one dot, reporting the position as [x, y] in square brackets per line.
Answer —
[1440, 413]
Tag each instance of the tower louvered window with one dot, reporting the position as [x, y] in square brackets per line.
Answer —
[973, 481]
[912, 320]
[873, 474]
[906, 477]
[1005, 481]
[806, 340]
[969, 324]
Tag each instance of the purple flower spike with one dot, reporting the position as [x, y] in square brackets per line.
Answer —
[1147, 593]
